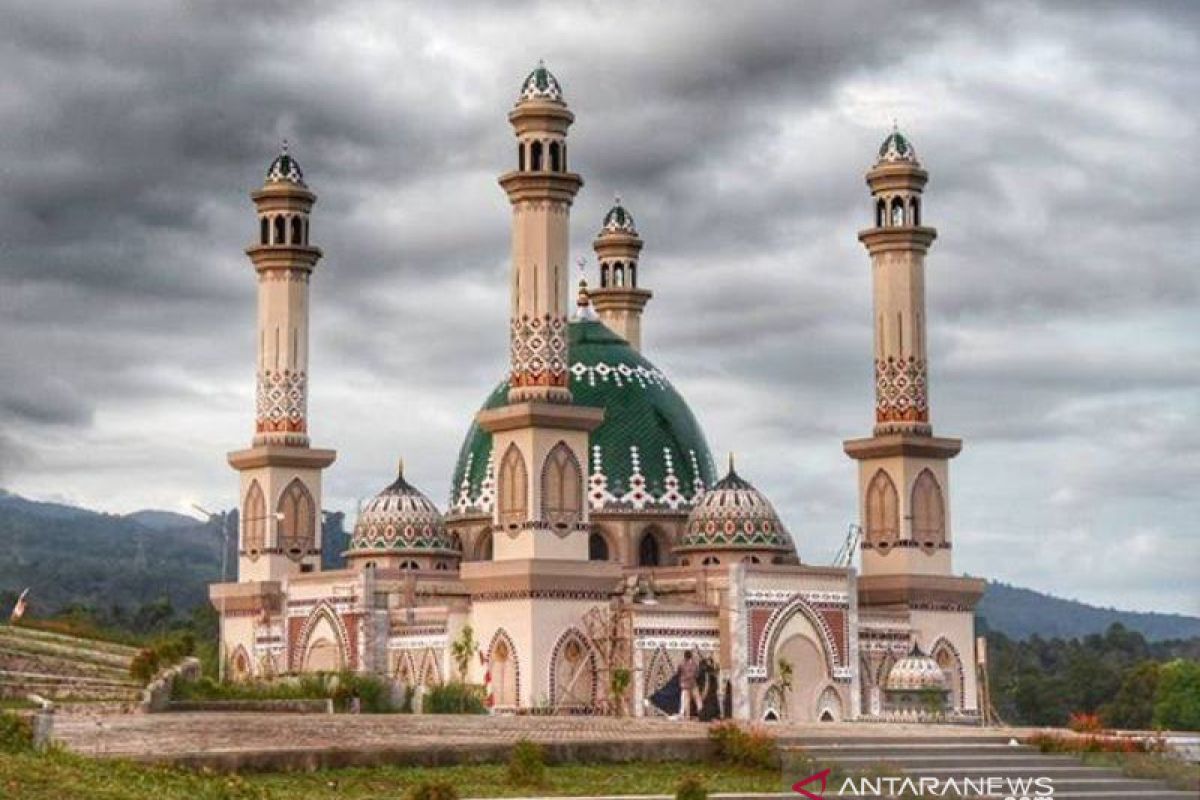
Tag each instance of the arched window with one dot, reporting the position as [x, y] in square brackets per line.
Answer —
[514, 488]
[264, 231]
[897, 212]
[597, 547]
[562, 487]
[633, 274]
[409, 566]
[882, 512]
[710, 561]
[297, 236]
[618, 274]
[554, 165]
[279, 231]
[483, 547]
[535, 156]
[648, 554]
[564, 156]
[297, 525]
[751, 560]
[929, 514]
[521, 156]
[604, 276]
[880, 213]
[254, 521]
[914, 210]
[306, 230]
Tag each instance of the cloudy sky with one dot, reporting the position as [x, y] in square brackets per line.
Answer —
[1061, 140]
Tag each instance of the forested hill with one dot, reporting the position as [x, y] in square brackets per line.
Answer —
[73, 556]
[1020, 613]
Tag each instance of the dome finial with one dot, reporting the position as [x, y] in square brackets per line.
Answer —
[731, 462]
[541, 85]
[283, 148]
[400, 468]
[583, 301]
[285, 169]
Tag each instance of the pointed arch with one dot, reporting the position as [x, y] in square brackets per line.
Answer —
[297, 521]
[505, 669]
[774, 707]
[574, 681]
[405, 670]
[264, 230]
[649, 551]
[254, 521]
[483, 547]
[829, 706]
[431, 669]
[562, 488]
[535, 156]
[948, 658]
[323, 644]
[239, 664]
[598, 549]
[555, 163]
[297, 230]
[914, 210]
[604, 275]
[520, 156]
[514, 488]
[618, 274]
[928, 511]
[633, 274]
[897, 212]
[659, 672]
[279, 230]
[882, 512]
[880, 213]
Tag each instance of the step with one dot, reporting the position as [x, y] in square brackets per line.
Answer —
[65, 651]
[21, 660]
[36, 677]
[22, 632]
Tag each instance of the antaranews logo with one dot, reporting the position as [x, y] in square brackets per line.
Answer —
[927, 786]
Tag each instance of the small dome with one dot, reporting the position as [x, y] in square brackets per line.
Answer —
[916, 672]
[541, 85]
[618, 220]
[401, 519]
[285, 168]
[897, 148]
[734, 515]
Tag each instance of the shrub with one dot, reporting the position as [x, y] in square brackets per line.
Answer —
[691, 788]
[454, 698]
[1081, 722]
[1177, 698]
[16, 733]
[741, 748]
[144, 665]
[527, 764]
[375, 696]
[432, 790]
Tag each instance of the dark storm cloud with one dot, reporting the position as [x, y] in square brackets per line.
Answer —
[1062, 288]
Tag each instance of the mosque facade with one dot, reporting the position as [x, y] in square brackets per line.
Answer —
[589, 539]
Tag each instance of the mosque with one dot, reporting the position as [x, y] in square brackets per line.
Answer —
[589, 539]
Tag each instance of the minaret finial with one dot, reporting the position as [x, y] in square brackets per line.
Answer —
[400, 468]
[283, 148]
[730, 462]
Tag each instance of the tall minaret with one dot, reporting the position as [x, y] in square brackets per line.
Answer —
[280, 474]
[540, 440]
[619, 302]
[903, 468]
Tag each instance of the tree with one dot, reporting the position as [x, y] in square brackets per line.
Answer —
[463, 649]
[1177, 701]
[1133, 705]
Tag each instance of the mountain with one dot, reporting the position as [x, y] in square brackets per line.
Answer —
[163, 520]
[73, 556]
[70, 555]
[1020, 613]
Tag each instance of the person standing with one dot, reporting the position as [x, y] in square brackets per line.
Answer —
[689, 691]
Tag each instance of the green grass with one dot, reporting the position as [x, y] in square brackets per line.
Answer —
[57, 775]
[1176, 772]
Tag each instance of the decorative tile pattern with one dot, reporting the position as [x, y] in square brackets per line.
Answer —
[281, 402]
[538, 348]
[901, 390]
[400, 518]
[733, 514]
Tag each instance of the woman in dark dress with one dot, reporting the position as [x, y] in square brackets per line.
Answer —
[709, 680]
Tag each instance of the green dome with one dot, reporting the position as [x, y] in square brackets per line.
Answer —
[649, 453]
[285, 168]
[541, 85]
[897, 148]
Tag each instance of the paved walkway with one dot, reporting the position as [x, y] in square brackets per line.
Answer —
[183, 737]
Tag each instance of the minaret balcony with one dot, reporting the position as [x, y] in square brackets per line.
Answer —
[558, 186]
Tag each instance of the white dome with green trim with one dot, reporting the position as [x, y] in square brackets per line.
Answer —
[897, 148]
[541, 85]
[400, 519]
[649, 454]
[734, 515]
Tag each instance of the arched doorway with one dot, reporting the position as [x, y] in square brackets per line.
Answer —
[573, 674]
